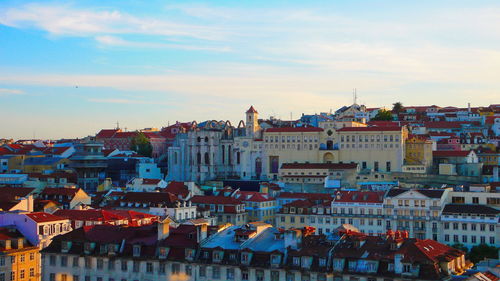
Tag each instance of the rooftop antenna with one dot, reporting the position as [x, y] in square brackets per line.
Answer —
[291, 116]
[117, 125]
[355, 96]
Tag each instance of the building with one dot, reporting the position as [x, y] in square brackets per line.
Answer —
[417, 211]
[289, 145]
[470, 225]
[155, 203]
[325, 175]
[16, 199]
[39, 228]
[361, 209]
[80, 218]
[226, 209]
[394, 256]
[108, 252]
[260, 206]
[306, 213]
[69, 198]
[418, 154]
[146, 185]
[19, 259]
[379, 149]
[89, 163]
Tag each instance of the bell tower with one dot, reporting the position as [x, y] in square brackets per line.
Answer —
[252, 122]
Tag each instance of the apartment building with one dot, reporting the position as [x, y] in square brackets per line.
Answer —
[19, 259]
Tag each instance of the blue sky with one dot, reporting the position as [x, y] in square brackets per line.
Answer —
[148, 63]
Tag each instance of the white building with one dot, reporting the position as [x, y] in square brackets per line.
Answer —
[39, 228]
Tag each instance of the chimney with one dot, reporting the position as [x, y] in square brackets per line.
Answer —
[201, 232]
[468, 107]
[163, 228]
[293, 238]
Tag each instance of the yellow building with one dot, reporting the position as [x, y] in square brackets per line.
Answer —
[374, 148]
[41, 164]
[19, 260]
[260, 206]
[418, 152]
[289, 145]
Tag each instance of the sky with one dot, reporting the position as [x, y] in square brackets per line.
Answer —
[70, 68]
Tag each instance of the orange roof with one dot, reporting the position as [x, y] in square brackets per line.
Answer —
[43, 217]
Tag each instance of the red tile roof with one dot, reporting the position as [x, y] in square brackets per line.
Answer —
[177, 188]
[221, 200]
[253, 196]
[60, 191]
[444, 125]
[151, 181]
[450, 153]
[107, 133]
[345, 196]
[293, 129]
[43, 217]
[370, 129]
[251, 110]
[310, 196]
[329, 166]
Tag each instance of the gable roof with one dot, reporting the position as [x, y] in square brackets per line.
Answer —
[431, 193]
[370, 129]
[329, 166]
[43, 217]
[293, 129]
[471, 209]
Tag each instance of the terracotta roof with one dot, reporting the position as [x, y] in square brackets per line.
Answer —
[345, 196]
[329, 166]
[151, 181]
[309, 196]
[444, 124]
[370, 129]
[450, 153]
[293, 129]
[253, 196]
[60, 191]
[43, 217]
[107, 133]
[177, 188]
[13, 192]
[222, 200]
[251, 110]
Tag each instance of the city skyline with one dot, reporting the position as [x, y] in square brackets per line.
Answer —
[70, 69]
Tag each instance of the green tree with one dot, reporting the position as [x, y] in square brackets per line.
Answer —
[460, 247]
[397, 107]
[482, 251]
[383, 115]
[142, 145]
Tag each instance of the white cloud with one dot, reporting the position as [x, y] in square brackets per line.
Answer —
[69, 21]
[114, 41]
[4, 91]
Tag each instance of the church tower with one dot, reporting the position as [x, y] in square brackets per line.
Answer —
[252, 122]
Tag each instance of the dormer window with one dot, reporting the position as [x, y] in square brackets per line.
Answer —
[245, 258]
[136, 250]
[205, 255]
[163, 252]
[217, 256]
[322, 262]
[296, 261]
[190, 254]
[275, 259]
[65, 246]
[220, 208]
[232, 256]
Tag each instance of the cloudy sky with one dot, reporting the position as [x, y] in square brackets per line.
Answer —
[69, 68]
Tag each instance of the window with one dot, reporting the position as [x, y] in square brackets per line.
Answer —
[75, 261]
[52, 260]
[149, 267]
[216, 272]
[230, 274]
[203, 271]
[176, 268]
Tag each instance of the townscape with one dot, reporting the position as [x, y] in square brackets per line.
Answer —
[361, 194]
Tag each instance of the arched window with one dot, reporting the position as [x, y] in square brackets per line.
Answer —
[198, 139]
[207, 158]
[223, 154]
[229, 155]
[238, 158]
[206, 139]
[198, 158]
